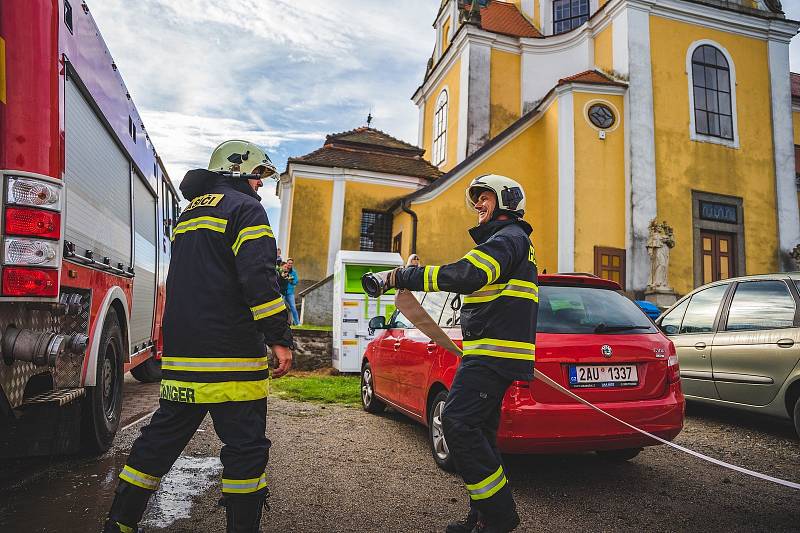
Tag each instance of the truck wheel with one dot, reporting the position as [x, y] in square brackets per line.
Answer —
[148, 372]
[439, 450]
[104, 401]
[369, 402]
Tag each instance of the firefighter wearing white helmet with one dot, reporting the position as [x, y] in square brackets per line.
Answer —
[223, 305]
[498, 279]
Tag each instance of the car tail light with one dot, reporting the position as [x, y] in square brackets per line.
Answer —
[34, 193]
[18, 281]
[33, 222]
[673, 369]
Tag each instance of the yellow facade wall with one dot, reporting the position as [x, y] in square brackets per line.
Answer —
[402, 224]
[604, 49]
[504, 90]
[451, 82]
[359, 196]
[532, 159]
[310, 227]
[683, 165]
[599, 181]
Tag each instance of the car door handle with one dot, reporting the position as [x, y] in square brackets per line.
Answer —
[396, 345]
[431, 347]
[700, 346]
[785, 343]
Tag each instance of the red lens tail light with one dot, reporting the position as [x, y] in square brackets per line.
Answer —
[33, 222]
[19, 281]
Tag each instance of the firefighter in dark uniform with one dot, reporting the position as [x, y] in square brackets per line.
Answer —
[498, 319]
[222, 306]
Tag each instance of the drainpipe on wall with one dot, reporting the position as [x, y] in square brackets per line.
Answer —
[414, 220]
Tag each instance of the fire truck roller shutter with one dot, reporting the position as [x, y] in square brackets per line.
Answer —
[144, 253]
[97, 182]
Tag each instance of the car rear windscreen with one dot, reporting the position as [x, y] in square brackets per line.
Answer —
[589, 310]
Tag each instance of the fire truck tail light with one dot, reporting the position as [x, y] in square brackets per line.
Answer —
[31, 252]
[35, 193]
[33, 222]
[19, 281]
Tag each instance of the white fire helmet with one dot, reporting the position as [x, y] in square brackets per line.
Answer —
[244, 157]
[510, 196]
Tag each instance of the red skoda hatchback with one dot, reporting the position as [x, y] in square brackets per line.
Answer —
[590, 338]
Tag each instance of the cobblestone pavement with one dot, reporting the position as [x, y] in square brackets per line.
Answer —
[339, 469]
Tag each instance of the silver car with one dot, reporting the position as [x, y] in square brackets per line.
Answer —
[738, 343]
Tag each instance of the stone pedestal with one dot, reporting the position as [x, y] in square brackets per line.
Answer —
[662, 298]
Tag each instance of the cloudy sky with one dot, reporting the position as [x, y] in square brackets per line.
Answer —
[282, 73]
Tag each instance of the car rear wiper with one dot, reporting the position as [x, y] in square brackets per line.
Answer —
[603, 328]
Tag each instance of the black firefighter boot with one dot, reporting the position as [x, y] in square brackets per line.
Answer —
[466, 524]
[243, 513]
[127, 509]
[497, 524]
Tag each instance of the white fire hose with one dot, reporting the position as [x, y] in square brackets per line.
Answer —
[411, 309]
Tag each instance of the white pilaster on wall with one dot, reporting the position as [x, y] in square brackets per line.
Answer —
[337, 220]
[421, 127]
[566, 181]
[782, 132]
[642, 145]
[527, 8]
[478, 113]
[283, 223]
[619, 42]
[463, 106]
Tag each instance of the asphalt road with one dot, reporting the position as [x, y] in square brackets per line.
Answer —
[340, 469]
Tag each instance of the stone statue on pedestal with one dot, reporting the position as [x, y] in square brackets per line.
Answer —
[795, 255]
[659, 244]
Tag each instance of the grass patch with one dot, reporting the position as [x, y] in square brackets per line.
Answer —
[313, 328]
[320, 389]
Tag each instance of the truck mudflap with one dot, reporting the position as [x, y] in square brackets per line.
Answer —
[47, 424]
[70, 316]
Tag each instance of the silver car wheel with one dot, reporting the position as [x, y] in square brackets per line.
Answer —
[366, 387]
[437, 433]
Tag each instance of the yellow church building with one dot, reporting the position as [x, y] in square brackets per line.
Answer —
[612, 114]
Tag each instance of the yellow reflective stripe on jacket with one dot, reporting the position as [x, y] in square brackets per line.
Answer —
[244, 486]
[516, 288]
[249, 233]
[209, 223]
[500, 348]
[123, 528]
[430, 279]
[486, 263]
[268, 309]
[489, 486]
[225, 391]
[214, 364]
[140, 479]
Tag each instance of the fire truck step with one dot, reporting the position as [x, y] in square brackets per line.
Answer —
[60, 397]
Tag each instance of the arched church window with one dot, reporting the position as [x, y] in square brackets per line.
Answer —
[440, 129]
[569, 14]
[711, 86]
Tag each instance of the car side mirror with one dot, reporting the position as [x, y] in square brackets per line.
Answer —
[375, 323]
[670, 329]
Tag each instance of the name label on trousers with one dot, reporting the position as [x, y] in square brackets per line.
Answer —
[177, 394]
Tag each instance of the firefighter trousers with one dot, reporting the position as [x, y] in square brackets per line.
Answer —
[241, 426]
[470, 419]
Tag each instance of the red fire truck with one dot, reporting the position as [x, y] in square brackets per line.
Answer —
[87, 211]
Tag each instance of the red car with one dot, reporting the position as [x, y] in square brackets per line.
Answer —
[590, 338]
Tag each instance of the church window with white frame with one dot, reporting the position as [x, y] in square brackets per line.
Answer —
[713, 96]
[569, 14]
[439, 152]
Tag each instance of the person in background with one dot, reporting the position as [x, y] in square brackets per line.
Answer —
[291, 282]
[283, 280]
[279, 261]
[413, 261]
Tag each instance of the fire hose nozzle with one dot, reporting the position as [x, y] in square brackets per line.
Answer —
[41, 348]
